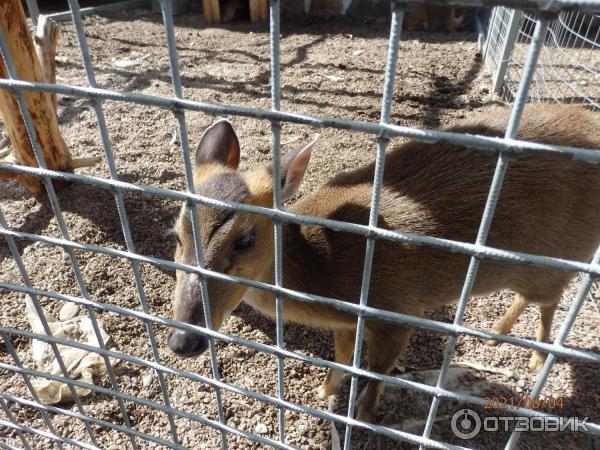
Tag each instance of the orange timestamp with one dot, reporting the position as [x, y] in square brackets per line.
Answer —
[524, 401]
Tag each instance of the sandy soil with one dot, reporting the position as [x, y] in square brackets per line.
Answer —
[333, 69]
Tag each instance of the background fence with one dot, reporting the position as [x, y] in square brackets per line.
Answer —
[569, 66]
[80, 413]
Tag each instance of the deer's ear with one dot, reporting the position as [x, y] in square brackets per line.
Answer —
[220, 145]
[293, 167]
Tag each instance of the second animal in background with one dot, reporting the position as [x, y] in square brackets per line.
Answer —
[434, 18]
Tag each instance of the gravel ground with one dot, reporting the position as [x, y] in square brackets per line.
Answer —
[335, 69]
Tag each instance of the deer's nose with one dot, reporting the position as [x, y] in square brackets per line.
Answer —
[187, 344]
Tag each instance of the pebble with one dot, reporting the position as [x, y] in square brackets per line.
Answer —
[261, 428]
[147, 379]
[68, 311]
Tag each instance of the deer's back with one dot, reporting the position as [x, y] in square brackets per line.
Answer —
[548, 205]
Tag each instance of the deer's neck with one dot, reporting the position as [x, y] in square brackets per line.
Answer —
[303, 267]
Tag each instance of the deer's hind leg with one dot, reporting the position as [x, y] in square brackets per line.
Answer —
[547, 304]
[547, 309]
[505, 324]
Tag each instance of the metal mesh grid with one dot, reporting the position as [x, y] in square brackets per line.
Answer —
[478, 250]
[569, 66]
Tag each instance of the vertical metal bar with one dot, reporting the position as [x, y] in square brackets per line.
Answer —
[27, 282]
[542, 377]
[490, 206]
[62, 226]
[189, 179]
[274, 33]
[345, 6]
[386, 106]
[34, 11]
[106, 144]
[507, 48]
[490, 33]
[45, 417]
[11, 418]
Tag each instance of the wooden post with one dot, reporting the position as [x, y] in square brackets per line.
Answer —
[258, 10]
[40, 104]
[15, 127]
[212, 11]
[45, 40]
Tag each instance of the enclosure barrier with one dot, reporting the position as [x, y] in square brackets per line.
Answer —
[569, 66]
[504, 147]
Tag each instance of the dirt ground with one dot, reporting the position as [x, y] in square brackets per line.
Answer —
[328, 68]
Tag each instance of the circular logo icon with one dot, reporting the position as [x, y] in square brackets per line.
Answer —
[465, 424]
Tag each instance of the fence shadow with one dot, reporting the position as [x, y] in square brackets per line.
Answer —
[149, 218]
[256, 86]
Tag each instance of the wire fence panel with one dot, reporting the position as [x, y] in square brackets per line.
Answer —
[563, 48]
[569, 68]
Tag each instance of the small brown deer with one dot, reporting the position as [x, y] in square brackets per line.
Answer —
[548, 206]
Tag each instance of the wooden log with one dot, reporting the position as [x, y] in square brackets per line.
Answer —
[264, 10]
[41, 105]
[254, 10]
[212, 11]
[28, 68]
[258, 10]
[78, 163]
[45, 41]
[15, 127]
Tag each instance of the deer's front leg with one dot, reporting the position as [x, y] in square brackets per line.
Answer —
[344, 350]
[385, 344]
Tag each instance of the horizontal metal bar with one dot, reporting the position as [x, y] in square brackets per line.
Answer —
[261, 397]
[265, 348]
[480, 251]
[592, 428]
[66, 412]
[11, 418]
[572, 32]
[9, 447]
[367, 311]
[119, 6]
[478, 142]
[131, 398]
[42, 433]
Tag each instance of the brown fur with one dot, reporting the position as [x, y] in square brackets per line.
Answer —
[548, 206]
[434, 18]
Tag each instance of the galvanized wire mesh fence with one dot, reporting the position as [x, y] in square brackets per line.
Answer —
[478, 250]
[569, 66]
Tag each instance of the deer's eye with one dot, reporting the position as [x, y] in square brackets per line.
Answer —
[244, 242]
[178, 239]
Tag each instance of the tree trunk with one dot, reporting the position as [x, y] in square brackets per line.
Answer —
[45, 40]
[41, 105]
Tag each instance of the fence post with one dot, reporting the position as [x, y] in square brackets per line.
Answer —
[34, 11]
[507, 48]
[488, 33]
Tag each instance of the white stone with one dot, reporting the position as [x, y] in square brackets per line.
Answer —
[68, 311]
[147, 379]
[261, 428]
